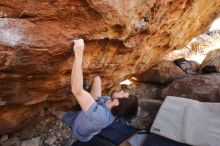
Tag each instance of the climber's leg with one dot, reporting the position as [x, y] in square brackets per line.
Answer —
[96, 89]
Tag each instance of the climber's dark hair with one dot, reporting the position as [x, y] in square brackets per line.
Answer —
[127, 109]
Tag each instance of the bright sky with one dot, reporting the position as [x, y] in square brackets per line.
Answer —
[126, 82]
[215, 25]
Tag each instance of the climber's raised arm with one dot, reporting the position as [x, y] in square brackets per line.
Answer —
[83, 97]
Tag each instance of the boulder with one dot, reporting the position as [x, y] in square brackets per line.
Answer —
[122, 38]
[199, 87]
[151, 106]
[143, 90]
[148, 91]
[211, 59]
[162, 73]
[147, 111]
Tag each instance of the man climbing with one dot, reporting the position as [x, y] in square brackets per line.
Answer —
[98, 111]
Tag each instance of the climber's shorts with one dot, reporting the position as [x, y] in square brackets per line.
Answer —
[69, 118]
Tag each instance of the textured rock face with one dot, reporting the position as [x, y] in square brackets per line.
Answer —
[212, 59]
[122, 38]
[162, 73]
[148, 91]
[198, 87]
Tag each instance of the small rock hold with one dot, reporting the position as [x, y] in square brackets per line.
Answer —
[3, 138]
[60, 125]
[31, 142]
[141, 24]
[58, 135]
[10, 142]
[51, 140]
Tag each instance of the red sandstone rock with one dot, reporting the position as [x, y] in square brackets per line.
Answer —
[148, 91]
[151, 106]
[198, 87]
[122, 38]
[164, 72]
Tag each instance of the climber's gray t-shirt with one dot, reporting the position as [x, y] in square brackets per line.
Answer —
[90, 123]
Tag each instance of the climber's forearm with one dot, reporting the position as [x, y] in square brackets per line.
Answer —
[77, 77]
[83, 97]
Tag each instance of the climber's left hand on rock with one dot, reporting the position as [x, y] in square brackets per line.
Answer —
[78, 46]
